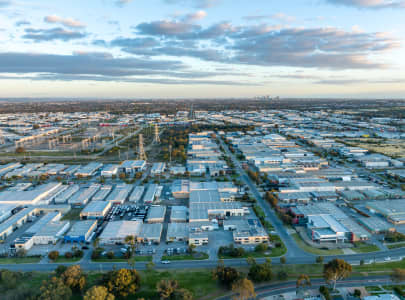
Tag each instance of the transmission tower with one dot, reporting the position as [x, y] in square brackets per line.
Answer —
[141, 150]
[156, 140]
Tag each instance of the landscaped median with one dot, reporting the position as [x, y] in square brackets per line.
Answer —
[261, 250]
[193, 256]
[20, 260]
[121, 259]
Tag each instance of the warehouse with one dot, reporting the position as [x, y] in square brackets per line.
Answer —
[53, 216]
[70, 170]
[67, 194]
[250, 231]
[117, 231]
[325, 228]
[15, 221]
[130, 167]
[51, 233]
[6, 211]
[198, 238]
[392, 210]
[204, 196]
[102, 193]
[137, 193]
[376, 225]
[150, 233]
[88, 170]
[156, 214]
[109, 171]
[120, 194]
[30, 197]
[151, 193]
[157, 169]
[81, 231]
[178, 214]
[177, 232]
[181, 189]
[205, 211]
[82, 197]
[95, 210]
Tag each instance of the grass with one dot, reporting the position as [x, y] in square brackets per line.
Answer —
[373, 289]
[62, 260]
[313, 250]
[121, 259]
[365, 248]
[200, 283]
[73, 214]
[20, 260]
[195, 256]
[396, 246]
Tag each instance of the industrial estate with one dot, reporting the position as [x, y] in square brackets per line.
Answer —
[234, 198]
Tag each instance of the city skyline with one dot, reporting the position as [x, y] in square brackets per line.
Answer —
[202, 48]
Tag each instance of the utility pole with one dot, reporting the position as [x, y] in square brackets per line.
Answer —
[157, 138]
[141, 150]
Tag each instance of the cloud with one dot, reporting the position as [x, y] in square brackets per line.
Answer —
[122, 2]
[195, 3]
[374, 4]
[22, 23]
[83, 63]
[196, 16]
[4, 3]
[68, 22]
[57, 33]
[281, 17]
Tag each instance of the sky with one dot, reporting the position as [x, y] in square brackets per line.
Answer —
[202, 48]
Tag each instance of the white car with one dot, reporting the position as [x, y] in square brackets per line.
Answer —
[165, 262]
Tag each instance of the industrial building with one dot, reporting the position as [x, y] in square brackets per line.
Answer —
[392, 210]
[64, 196]
[82, 197]
[130, 167]
[157, 169]
[177, 232]
[137, 193]
[179, 214]
[102, 193]
[29, 197]
[117, 231]
[150, 233]
[81, 231]
[156, 214]
[95, 210]
[120, 193]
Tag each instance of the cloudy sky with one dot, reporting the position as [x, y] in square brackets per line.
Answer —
[202, 48]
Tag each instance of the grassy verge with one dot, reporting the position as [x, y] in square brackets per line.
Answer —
[120, 259]
[396, 246]
[312, 250]
[197, 256]
[365, 248]
[63, 260]
[20, 260]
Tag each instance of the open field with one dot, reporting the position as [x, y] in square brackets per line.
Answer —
[390, 147]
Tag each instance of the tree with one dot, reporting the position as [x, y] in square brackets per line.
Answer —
[325, 292]
[21, 253]
[53, 255]
[98, 292]
[283, 260]
[131, 241]
[123, 282]
[398, 275]
[54, 289]
[303, 281]
[74, 278]
[191, 248]
[357, 293]
[183, 294]
[225, 275]
[260, 272]
[166, 288]
[60, 270]
[243, 289]
[96, 242]
[335, 270]
[319, 259]
[20, 150]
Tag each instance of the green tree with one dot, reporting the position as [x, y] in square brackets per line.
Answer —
[123, 282]
[319, 259]
[183, 294]
[225, 275]
[98, 292]
[243, 289]
[303, 281]
[398, 275]
[54, 289]
[260, 272]
[335, 270]
[53, 255]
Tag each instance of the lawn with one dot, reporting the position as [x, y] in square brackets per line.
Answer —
[73, 214]
[195, 256]
[312, 250]
[20, 260]
[365, 248]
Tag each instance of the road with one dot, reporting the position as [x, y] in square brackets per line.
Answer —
[290, 286]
